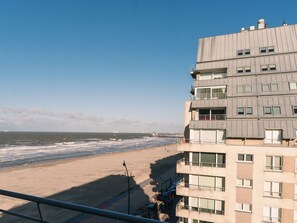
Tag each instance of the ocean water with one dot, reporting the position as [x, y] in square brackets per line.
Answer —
[21, 148]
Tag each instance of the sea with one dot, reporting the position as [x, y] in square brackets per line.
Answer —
[22, 148]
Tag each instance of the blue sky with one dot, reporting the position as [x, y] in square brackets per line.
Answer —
[114, 65]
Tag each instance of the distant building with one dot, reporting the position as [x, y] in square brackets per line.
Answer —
[240, 149]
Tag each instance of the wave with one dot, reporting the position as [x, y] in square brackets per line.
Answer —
[19, 155]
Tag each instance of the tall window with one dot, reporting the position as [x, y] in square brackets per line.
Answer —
[274, 163]
[272, 189]
[273, 136]
[271, 214]
[270, 87]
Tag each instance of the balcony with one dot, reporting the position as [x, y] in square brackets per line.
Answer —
[181, 206]
[203, 168]
[200, 187]
[202, 164]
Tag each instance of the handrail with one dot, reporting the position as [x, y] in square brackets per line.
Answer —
[214, 117]
[71, 206]
[201, 164]
[199, 187]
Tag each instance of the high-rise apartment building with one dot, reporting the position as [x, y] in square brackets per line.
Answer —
[240, 158]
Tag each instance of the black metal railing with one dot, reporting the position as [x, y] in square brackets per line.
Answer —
[68, 206]
[216, 117]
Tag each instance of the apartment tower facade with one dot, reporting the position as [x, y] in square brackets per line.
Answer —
[240, 154]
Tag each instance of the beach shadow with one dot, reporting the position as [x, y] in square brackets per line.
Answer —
[164, 179]
[108, 193]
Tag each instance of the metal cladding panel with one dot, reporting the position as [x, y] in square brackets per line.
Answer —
[215, 82]
[220, 103]
[234, 103]
[233, 83]
[207, 125]
[243, 129]
[224, 47]
[285, 103]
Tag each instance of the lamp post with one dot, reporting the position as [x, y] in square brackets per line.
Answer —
[128, 182]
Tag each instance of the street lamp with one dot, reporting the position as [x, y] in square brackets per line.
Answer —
[128, 182]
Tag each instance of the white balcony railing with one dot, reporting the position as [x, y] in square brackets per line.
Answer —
[201, 164]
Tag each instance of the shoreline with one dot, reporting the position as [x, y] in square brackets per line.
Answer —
[98, 176]
[50, 162]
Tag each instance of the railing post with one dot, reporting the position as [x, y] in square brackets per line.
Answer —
[40, 214]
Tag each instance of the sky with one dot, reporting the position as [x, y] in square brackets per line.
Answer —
[110, 65]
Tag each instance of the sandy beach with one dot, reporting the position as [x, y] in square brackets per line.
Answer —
[87, 180]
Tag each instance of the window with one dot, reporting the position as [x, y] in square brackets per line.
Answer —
[273, 87]
[240, 110]
[208, 159]
[244, 183]
[273, 136]
[249, 110]
[264, 68]
[294, 110]
[269, 87]
[274, 163]
[268, 67]
[269, 49]
[271, 214]
[272, 110]
[209, 183]
[244, 88]
[243, 52]
[241, 70]
[247, 69]
[243, 207]
[244, 110]
[276, 110]
[245, 158]
[272, 189]
[292, 85]
[207, 205]
[295, 192]
[267, 110]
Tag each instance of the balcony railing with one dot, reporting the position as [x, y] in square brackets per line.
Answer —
[201, 164]
[272, 194]
[182, 206]
[120, 217]
[200, 187]
[216, 117]
[271, 219]
[274, 168]
[208, 96]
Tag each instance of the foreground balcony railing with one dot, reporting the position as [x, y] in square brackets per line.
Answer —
[201, 164]
[182, 206]
[210, 117]
[200, 187]
[69, 206]
[207, 96]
